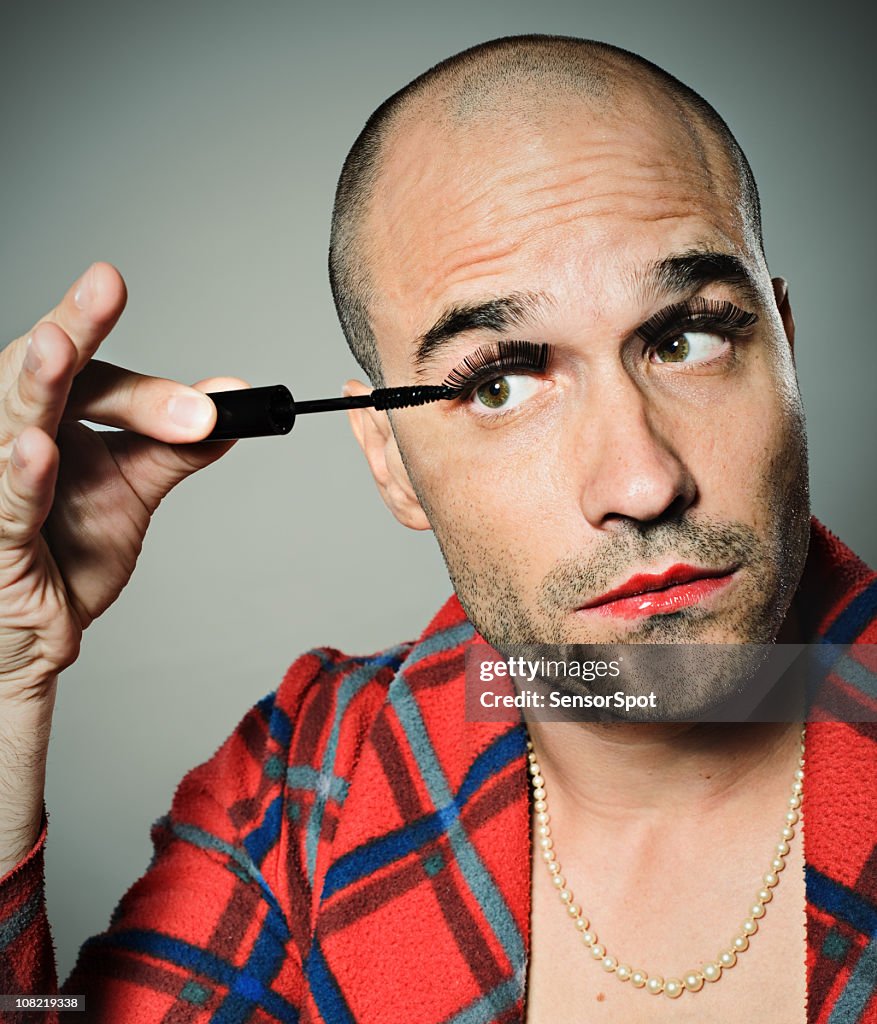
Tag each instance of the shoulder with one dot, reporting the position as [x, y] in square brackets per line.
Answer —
[282, 740]
[325, 694]
[302, 739]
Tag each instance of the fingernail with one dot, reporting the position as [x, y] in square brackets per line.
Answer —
[189, 412]
[85, 292]
[32, 361]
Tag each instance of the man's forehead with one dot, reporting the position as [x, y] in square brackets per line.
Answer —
[453, 205]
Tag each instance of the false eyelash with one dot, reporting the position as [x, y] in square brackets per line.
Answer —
[490, 361]
[696, 312]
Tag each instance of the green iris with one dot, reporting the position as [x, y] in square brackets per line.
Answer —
[495, 393]
[674, 351]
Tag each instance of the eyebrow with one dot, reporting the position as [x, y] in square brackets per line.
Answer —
[685, 272]
[496, 315]
[692, 270]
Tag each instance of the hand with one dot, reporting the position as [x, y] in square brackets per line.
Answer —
[75, 503]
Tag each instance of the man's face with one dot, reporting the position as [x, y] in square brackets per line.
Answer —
[650, 484]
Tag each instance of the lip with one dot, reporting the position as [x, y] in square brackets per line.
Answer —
[645, 594]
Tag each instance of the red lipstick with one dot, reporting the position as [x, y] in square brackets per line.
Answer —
[660, 594]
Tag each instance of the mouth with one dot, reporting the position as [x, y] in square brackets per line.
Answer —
[645, 594]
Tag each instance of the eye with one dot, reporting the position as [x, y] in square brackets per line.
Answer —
[503, 393]
[690, 347]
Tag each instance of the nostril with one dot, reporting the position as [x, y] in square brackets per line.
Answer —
[676, 507]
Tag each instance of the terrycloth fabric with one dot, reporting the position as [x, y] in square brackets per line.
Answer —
[356, 851]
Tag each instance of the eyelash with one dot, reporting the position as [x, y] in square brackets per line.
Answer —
[491, 361]
[697, 314]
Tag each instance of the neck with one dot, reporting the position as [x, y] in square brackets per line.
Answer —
[611, 770]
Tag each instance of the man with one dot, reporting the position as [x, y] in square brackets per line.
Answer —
[357, 850]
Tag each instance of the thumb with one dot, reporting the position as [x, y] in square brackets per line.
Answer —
[152, 468]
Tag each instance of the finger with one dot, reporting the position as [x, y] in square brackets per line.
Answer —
[86, 314]
[210, 384]
[39, 392]
[152, 468]
[27, 488]
[159, 408]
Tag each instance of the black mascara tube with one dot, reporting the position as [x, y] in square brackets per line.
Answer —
[261, 412]
[252, 412]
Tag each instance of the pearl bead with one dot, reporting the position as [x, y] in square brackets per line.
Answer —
[638, 979]
[765, 895]
[565, 895]
[756, 910]
[546, 842]
[544, 830]
[623, 972]
[548, 855]
[741, 943]
[539, 793]
[712, 972]
[788, 833]
[558, 879]
[783, 848]
[655, 985]
[673, 988]
[777, 864]
[693, 981]
[598, 951]
[543, 818]
[794, 802]
[589, 938]
[554, 868]
[573, 910]
[609, 964]
[728, 958]
[540, 805]
[792, 818]
[538, 782]
[770, 879]
[799, 775]
[749, 926]
[582, 923]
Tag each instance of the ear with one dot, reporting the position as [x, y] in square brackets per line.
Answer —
[375, 436]
[781, 294]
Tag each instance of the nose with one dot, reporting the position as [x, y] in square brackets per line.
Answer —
[635, 471]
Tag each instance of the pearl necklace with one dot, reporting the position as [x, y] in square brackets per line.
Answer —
[692, 981]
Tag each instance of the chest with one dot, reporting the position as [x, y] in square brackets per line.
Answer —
[668, 930]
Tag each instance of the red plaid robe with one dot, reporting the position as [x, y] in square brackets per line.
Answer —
[356, 851]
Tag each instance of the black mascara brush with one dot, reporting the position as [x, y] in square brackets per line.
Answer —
[260, 412]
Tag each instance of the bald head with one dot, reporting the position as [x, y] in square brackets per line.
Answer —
[519, 82]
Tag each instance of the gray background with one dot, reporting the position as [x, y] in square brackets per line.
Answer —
[196, 146]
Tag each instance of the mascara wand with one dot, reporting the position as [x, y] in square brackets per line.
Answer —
[261, 412]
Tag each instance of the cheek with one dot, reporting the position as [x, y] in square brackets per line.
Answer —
[748, 448]
[511, 475]
[494, 496]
